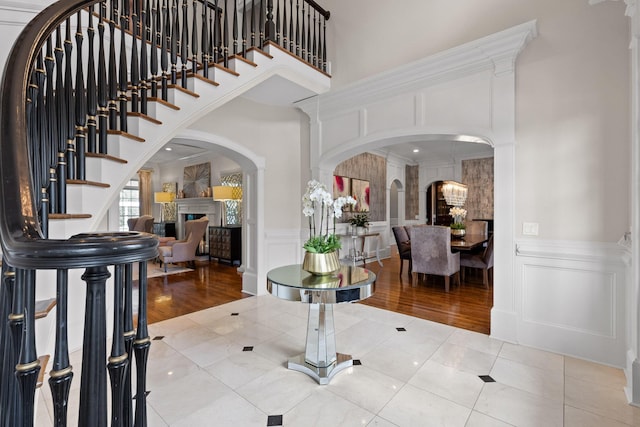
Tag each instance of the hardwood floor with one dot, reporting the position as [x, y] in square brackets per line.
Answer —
[467, 306]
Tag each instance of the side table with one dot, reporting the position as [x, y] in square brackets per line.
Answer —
[349, 284]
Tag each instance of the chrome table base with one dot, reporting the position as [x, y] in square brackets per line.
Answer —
[321, 374]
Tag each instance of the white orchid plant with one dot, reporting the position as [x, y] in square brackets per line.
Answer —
[458, 214]
[322, 210]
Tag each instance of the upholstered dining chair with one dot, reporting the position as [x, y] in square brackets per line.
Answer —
[184, 250]
[477, 227]
[143, 223]
[431, 252]
[403, 241]
[482, 261]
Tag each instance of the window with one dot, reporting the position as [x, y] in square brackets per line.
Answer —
[129, 203]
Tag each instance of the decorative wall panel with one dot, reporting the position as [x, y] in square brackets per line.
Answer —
[478, 175]
[372, 168]
[411, 200]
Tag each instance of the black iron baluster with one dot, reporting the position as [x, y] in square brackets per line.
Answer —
[93, 381]
[28, 365]
[278, 30]
[303, 40]
[244, 28]
[205, 40]
[235, 27]
[118, 360]
[81, 106]
[164, 45]
[194, 37]
[103, 93]
[141, 347]
[253, 24]
[92, 90]
[123, 77]
[217, 34]
[144, 69]
[309, 41]
[135, 64]
[314, 52]
[155, 40]
[129, 336]
[269, 26]
[297, 28]
[184, 45]
[61, 373]
[44, 219]
[51, 149]
[69, 104]
[61, 171]
[175, 33]
[9, 384]
[113, 72]
[291, 26]
[324, 45]
[225, 36]
[261, 24]
[285, 34]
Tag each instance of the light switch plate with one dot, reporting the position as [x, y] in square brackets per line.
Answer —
[530, 228]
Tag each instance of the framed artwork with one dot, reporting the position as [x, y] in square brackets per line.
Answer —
[360, 192]
[196, 181]
[341, 186]
[169, 211]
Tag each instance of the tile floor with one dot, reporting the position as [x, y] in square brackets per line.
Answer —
[225, 366]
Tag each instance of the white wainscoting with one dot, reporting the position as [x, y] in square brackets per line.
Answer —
[570, 297]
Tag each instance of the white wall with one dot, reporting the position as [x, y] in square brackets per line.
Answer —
[572, 120]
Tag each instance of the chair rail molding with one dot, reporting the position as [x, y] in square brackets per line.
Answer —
[586, 283]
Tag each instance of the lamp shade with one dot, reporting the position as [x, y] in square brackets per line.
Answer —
[222, 192]
[163, 197]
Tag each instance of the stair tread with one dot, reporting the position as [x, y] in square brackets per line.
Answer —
[43, 307]
[144, 117]
[243, 59]
[125, 134]
[85, 182]
[277, 46]
[204, 79]
[43, 360]
[107, 157]
[68, 216]
[163, 102]
[257, 49]
[183, 90]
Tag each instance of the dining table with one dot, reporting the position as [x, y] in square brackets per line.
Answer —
[468, 242]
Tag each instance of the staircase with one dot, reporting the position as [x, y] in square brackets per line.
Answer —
[84, 113]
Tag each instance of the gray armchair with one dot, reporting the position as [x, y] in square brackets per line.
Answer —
[483, 261]
[184, 250]
[431, 252]
[403, 241]
[143, 223]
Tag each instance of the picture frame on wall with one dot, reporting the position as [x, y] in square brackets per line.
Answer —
[196, 180]
[360, 191]
[341, 186]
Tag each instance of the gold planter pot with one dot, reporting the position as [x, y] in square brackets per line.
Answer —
[321, 264]
[458, 232]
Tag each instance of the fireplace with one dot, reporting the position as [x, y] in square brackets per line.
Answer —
[194, 208]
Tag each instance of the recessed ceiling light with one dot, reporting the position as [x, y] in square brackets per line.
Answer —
[168, 148]
[416, 150]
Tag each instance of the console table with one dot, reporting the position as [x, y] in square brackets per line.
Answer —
[320, 360]
[356, 244]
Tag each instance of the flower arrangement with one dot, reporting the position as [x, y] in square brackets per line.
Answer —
[360, 219]
[458, 215]
[322, 211]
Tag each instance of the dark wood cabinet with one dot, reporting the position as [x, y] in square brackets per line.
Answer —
[225, 244]
[437, 207]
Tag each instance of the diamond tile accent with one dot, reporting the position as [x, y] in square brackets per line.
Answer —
[274, 420]
[356, 362]
[401, 330]
[234, 314]
[247, 348]
[158, 338]
[487, 378]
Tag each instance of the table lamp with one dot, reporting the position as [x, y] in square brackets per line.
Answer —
[222, 194]
[163, 197]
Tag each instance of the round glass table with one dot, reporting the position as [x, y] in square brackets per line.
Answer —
[349, 284]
